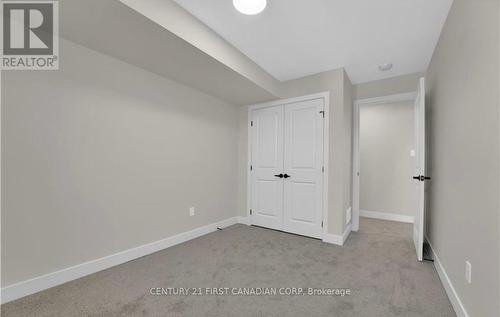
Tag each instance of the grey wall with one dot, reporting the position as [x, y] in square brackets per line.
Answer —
[386, 138]
[174, 18]
[101, 156]
[386, 87]
[463, 211]
[220, 71]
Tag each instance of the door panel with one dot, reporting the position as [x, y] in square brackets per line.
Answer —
[267, 161]
[302, 125]
[419, 224]
[268, 126]
[266, 204]
[303, 200]
[303, 161]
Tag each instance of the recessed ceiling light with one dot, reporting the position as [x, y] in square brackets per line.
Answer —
[250, 7]
[385, 67]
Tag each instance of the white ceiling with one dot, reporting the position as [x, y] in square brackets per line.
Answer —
[295, 38]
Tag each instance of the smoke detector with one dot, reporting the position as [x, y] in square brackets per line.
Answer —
[385, 67]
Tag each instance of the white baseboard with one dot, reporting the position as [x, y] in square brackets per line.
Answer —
[40, 283]
[386, 216]
[457, 304]
[346, 233]
[338, 239]
[244, 220]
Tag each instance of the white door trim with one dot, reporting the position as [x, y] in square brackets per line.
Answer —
[326, 128]
[355, 144]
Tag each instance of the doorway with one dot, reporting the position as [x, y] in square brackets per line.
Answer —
[389, 162]
[287, 155]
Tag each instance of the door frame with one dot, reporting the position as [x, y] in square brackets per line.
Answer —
[326, 137]
[355, 144]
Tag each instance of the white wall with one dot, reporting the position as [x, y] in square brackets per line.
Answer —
[101, 156]
[386, 167]
[463, 211]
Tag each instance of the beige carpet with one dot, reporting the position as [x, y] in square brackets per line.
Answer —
[377, 265]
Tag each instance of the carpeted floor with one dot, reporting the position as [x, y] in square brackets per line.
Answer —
[377, 265]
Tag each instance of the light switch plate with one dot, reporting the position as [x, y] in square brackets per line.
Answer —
[468, 272]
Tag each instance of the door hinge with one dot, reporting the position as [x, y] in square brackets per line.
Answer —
[251, 167]
[321, 224]
[322, 113]
[251, 123]
[250, 212]
[322, 169]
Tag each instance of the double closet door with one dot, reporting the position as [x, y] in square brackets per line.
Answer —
[287, 167]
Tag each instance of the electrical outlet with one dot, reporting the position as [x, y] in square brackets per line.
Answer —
[191, 211]
[468, 272]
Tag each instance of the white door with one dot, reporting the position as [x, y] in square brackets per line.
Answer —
[420, 178]
[287, 167]
[303, 162]
[267, 162]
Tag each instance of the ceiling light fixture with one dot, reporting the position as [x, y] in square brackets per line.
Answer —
[250, 7]
[385, 67]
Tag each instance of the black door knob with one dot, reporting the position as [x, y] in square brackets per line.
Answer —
[421, 178]
[286, 176]
[279, 175]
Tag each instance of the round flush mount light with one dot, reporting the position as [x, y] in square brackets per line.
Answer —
[250, 7]
[385, 67]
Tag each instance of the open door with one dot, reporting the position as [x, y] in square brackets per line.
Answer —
[420, 178]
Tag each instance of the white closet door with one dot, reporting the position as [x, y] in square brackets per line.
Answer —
[303, 162]
[267, 161]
